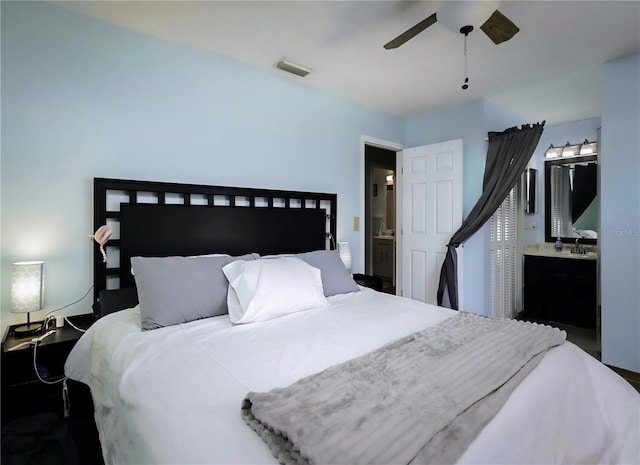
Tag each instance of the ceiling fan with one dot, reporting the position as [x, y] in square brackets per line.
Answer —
[462, 16]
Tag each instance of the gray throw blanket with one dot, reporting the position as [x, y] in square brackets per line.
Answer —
[422, 398]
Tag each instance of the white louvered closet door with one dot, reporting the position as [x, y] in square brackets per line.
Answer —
[504, 257]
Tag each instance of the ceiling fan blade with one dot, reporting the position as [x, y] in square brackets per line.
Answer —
[411, 33]
[499, 28]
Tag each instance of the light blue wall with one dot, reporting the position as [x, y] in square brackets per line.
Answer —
[470, 122]
[620, 213]
[82, 98]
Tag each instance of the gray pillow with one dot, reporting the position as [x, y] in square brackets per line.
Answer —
[174, 290]
[336, 279]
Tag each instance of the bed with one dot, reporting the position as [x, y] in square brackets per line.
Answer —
[179, 390]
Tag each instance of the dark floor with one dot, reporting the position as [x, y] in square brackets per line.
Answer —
[388, 287]
[587, 340]
[37, 440]
[85, 437]
[632, 377]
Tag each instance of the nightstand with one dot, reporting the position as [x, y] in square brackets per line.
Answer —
[373, 282]
[22, 392]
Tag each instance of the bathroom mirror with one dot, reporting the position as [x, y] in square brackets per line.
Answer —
[571, 199]
[383, 202]
[530, 175]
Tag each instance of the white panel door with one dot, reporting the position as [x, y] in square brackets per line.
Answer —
[431, 213]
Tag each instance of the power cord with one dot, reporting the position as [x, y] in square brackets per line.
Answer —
[74, 326]
[48, 318]
[35, 343]
[331, 238]
[62, 379]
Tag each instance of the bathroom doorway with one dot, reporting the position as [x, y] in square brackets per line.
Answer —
[380, 215]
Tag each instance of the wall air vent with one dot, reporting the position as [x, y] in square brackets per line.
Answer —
[293, 68]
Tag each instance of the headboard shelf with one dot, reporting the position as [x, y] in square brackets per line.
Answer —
[158, 219]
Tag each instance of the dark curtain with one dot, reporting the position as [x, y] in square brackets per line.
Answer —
[507, 157]
[584, 189]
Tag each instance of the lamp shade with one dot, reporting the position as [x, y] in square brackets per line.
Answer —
[553, 152]
[588, 148]
[571, 150]
[27, 286]
[344, 251]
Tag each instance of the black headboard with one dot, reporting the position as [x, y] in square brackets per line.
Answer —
[162, 219]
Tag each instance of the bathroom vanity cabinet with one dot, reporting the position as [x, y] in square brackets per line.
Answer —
[383, 256]
[561, 289]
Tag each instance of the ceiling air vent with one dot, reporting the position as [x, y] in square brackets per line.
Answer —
[293, 68]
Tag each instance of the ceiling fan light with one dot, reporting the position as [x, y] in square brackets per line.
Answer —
[455, 15]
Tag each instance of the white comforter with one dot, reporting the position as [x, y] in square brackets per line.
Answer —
[173, 395]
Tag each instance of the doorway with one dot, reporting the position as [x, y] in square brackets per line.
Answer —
[380, 215]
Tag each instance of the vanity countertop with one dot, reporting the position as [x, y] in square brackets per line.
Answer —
[385, 237]
[548, 250]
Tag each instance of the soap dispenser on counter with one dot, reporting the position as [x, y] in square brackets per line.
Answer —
[559, 245]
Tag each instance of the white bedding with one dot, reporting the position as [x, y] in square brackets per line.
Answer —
[173, 395]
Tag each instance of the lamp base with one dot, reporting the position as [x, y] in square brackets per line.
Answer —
[28, 330]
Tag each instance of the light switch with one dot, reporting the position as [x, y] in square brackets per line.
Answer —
[356, 223]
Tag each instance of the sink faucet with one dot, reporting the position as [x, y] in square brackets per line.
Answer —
[578, 248]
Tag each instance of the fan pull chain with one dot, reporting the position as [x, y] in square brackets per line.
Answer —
[466, 74]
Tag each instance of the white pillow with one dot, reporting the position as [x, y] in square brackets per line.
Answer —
[264, 289]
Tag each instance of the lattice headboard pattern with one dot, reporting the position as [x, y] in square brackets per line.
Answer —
[109, 194]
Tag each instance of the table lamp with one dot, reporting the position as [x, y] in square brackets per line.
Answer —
[27, 285]
[344, 250]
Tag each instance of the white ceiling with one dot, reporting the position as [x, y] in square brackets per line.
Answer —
[549, 71]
